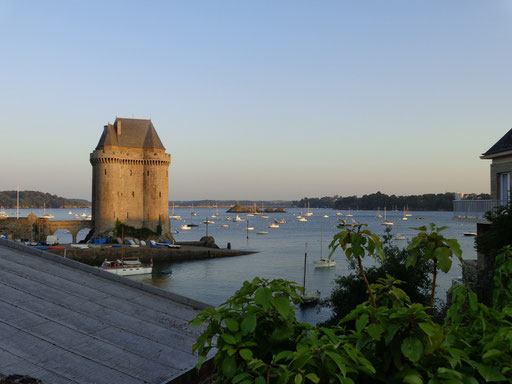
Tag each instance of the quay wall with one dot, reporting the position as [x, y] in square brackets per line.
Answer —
[95, 256]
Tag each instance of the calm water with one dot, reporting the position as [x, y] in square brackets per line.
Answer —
[280, 253]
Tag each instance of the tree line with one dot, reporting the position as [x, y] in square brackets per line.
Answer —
[36, 199]
[425, 202]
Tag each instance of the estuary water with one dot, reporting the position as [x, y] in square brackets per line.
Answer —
[280, 253]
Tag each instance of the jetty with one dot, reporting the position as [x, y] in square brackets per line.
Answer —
[62, 321]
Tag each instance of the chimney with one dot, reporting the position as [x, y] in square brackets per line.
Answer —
[118, 127]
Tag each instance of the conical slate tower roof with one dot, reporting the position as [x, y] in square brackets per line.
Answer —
[503, 145]
[133, 133]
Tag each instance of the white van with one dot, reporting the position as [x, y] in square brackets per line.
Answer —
[52, 240]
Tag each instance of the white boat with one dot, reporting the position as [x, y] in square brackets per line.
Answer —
[4, 216]
[379, 216]
[70, 213]
[324, 263]
[339, 214]
[89, 217]
[225, 225]
[46, 215]
[262, 233]
[208, 222]
[273, 225]
[213, 216]
[127, 267]
[174, 232]
[399, 237]
[280, 221]
[228, 218]
[77, 216]
[469, 234]
[405, 216]
[79, 246]
[250, 215]
[185, 227]
[303, 219]
[238, 219]
[264, 216]
[249, 229]
[308, 213]
[325, 216]
[385, 221]
[173, 216]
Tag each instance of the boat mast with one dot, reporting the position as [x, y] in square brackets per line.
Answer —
[18, 202]
[305, 258]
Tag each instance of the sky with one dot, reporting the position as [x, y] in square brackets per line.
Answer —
[259, 99]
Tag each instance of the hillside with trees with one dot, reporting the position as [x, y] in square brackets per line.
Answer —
[36, 199]
[425, 202]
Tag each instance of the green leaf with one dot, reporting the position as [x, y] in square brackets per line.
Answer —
[375, 331]
[238, 378]
[260, 380]
[427, 328]
[228, 367]
[490, 373]
[263, 297]
[248, 324]
[230, 339]
[281, 355]
[246, 354]
[361, 322]
[338, 361]
[298, 379]
[231, 324]
[491, 353]
[196, 322]
[282, 304]
[413, 378]
[412, 348]
[313, 377]
[442, 255]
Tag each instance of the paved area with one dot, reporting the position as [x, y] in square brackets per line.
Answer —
[65, 322]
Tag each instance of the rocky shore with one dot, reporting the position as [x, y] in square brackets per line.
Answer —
[237, 208]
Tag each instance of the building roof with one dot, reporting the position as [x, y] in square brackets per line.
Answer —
[66, 322]
[133, 133]
[503, 146]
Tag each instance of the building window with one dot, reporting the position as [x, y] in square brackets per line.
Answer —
[160, 194]
[105, 171]
[114, 214]
[147, 173]
[117, 193]
[127, 215]
[504, 180]
[130, 172]
[133, 194]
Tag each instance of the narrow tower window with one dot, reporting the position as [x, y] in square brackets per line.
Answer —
[147, 173]
[126, 214]
[105, 171]
[133, 194]
[130, 172]
[160, 194]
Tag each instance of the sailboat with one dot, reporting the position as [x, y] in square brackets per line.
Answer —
[385, 221]
[349, 214]
[407, 213]
[192, 213]
[308, 213]
[308, 298]
[405, 216]
[324, 263]
[379, 216]
[46, 215]
[173, 216]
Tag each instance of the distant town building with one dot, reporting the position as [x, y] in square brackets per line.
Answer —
[130, 177]
[459, 195]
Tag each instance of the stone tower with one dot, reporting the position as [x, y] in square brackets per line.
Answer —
[130, 177]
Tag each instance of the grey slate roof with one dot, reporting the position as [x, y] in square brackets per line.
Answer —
[66, 322]
[503, 145]
[135, 133]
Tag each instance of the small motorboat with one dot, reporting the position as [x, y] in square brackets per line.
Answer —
[185, 227]
[127, 267]
[469, 234]
[262, 233]
[250, 228]
[303, 219]
[325, 216]
[325, 263]
[208, 222]
[225, 225]
[273, 225]
[238, 219]
[281, 221]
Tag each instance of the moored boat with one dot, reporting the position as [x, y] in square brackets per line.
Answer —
[127, 267]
